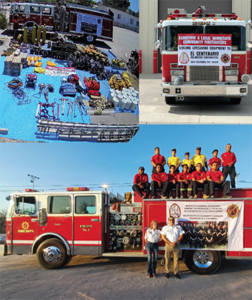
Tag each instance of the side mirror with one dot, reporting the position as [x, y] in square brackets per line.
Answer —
[157, 44]
[42, 217]
[249, 23]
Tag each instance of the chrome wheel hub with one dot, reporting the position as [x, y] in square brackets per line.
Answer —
[203, 259]
[52, 255]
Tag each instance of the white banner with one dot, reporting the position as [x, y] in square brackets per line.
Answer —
[204, 49]
[210, 225]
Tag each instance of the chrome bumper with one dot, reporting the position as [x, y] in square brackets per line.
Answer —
[198, 90]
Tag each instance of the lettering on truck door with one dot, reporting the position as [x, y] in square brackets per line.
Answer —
[87, 224]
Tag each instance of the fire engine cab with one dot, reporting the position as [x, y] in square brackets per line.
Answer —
[72, 19]
[194, 61]
[59, 225]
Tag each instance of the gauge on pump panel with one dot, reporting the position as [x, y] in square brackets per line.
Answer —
[117, 217]
[123, 217]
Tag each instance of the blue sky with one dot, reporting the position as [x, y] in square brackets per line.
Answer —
[91, 165]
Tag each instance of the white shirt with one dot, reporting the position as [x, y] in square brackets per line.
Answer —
[153, 236]
[172, 233]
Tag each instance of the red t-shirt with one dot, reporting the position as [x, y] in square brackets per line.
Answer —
[171, 177]
[215, 176]
[158, 159]
[198, 175]
[159, 177]
[183, 176]
[15, 24]
[214, 159]
[227, 158]
[140, 178]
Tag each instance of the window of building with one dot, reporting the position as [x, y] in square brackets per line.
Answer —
[137, 23]
[46, 10]
[85, 205]
[59, 205]
[119, 16]
[25, 205]
[131, 21]
[35, 10]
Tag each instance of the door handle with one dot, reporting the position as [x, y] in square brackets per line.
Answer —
[95, 220]
[35, 220]
[57, 224]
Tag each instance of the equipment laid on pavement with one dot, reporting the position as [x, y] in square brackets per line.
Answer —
[30, 81]
[67, 89]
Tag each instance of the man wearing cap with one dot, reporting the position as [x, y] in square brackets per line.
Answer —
[215, 159]
[159, 180]
[157, 159]
[199, 180]
[200, 158]
[184, 180]
[216, 180]
[172, 183]
[141, 183]
[228, 161]
[172, 234]
[187, 161]
[174, 161]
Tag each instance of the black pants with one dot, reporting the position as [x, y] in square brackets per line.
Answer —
[197, 185]
[225, 186]
[155, 186]
[146, 187]
[172, 186]
[229, 171]
[184, 186]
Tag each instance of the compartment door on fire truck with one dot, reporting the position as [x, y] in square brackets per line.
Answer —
[73, 21]
[24, 223]
[87, 224]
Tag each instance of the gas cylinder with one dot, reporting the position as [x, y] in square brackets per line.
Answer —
[25, 34]
[33, 33]
[39, 33]
[44, 35]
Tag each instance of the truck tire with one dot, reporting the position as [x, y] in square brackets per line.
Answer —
[69, 257]
[170, 100]
[52, 254]
[203, 262]
[235, 100]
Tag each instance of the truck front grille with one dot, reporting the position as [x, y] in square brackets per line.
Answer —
[204, 73]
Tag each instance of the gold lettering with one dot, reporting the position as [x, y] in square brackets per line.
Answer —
[86, 226]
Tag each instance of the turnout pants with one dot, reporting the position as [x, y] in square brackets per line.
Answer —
[229, 171]
[168, 250]
[155, 186]
[171, 186]
[225, 186]
[146, 187]
[184, 186]
[197, 185]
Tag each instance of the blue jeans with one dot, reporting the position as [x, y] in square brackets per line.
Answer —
[151, 266]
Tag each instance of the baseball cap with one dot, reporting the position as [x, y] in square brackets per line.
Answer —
[142, 168]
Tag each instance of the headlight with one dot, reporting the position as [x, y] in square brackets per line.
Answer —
[177, 72]
[166, 90]
[231, 72]
[245, 78]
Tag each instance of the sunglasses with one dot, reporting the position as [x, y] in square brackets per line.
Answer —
[170, 219]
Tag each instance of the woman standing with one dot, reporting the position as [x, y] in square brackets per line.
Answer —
[152, 237]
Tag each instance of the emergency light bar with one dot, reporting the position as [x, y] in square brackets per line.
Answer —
[178, 15]
[30, 190]
[78, 189]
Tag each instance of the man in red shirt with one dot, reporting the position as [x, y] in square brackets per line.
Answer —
[184, 181]
[215, 159]
[15, 27]
[159, 181]
[158, 159]
[228, 161]
[199, 180]
[173, 184]
[141, 183]
[216, 180]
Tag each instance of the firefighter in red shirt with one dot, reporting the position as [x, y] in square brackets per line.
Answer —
[173, 184]
[199, 180]
[159, 181]
[141, 183]
[228, 161]
[15, 26]
[216, 180]
[185, 182]
[157, 159]
[215, 159]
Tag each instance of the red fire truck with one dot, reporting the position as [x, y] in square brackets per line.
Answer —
[76, 20]
[201, 75]
[59, 225]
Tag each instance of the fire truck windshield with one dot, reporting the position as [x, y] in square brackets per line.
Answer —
[170, 35]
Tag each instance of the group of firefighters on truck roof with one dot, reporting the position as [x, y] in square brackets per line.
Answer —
[194, 175]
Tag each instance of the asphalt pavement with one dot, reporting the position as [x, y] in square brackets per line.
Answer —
[154, 110]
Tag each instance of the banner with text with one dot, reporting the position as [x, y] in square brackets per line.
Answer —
[209, 225]
[204, 49]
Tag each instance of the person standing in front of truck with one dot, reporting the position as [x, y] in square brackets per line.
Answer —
[141, 183]
[157, 159]
[172, 234]
[200, 158]
[152, 237]
[228, 161]
[15, 27]
[174, 161]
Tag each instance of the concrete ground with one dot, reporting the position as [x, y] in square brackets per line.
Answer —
[154, 110]
[93, 278]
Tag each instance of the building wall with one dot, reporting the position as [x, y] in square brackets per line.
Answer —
[126, 20]
[151, 11]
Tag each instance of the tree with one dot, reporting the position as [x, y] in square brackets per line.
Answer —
[86, 2]
[3, 21]
[118, 4]
[3, 214]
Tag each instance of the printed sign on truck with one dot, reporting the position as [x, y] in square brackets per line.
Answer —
[204, 49]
